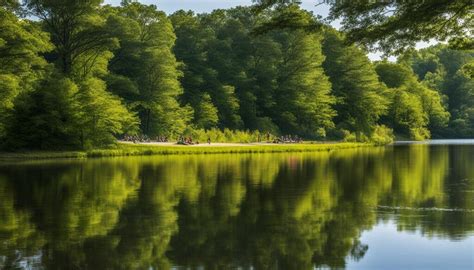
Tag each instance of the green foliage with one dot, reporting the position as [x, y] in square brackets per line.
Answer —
[287, 16]
[444, 70]
[127, 149]
[101, 116]
[148, 150]
[360, 97]
[303, 100]
[206, 113]
[382, 135]
[146, 70]
[21, 65]
[21, 43]
[395, 25]
[82, 74]
[60, 114]
[414, 109]
[270, 82]
[9, 89]
[407, 115]
[434, 107]
[468, 70]
[77, 32]
[45, 118]
[226, 136]
[390, 26]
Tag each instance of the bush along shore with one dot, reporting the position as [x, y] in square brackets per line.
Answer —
[129, 149]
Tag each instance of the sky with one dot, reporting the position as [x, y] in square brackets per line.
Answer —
[205, 6]
[201, 6]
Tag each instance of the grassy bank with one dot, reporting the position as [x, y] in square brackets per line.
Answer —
[123, 149]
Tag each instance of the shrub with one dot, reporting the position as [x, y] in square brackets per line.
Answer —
[348, 136]
[382, 135]
[226, 135]
[419, 133]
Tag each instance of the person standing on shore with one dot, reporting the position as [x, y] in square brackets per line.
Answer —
[208, 140]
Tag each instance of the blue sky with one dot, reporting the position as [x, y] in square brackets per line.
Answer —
[199, 6]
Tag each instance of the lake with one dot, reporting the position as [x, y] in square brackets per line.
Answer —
[407, 206]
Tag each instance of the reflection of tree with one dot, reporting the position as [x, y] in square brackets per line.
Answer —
[423, 184]
[73, 202]
[147, 223]
[419, 174]
[315, 210]
[461, 184]
[19, 238]
[362, 178]
[425, 173]
[286, 211]
[292, 225]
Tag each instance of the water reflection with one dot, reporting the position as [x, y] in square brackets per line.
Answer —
[269, 211]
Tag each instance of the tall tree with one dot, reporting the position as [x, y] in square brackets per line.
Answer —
[21, 65]
[415, 110]
[206, 113]
[55, 112]
[191, 39]
[60, 114]
[146, 65]
[101, 116]
[303, 99]
[46, 117]
[75, 27]
[220, 53]
[360, 99]
[442, 68]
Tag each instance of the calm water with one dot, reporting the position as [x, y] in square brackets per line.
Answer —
[398, 207]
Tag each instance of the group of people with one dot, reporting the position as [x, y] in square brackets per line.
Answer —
[183, 140]
[189, 140]
[186, 140]
[144, 138]
[288, 139]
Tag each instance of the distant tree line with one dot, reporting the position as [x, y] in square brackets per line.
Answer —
[78, 74]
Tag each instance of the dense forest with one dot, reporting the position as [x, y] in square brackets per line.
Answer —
[79, 74]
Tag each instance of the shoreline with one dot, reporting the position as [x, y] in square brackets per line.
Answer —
[149, 149]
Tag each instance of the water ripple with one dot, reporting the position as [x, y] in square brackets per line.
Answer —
[425, 209]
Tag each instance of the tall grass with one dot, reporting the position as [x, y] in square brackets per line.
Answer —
[125, 149]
